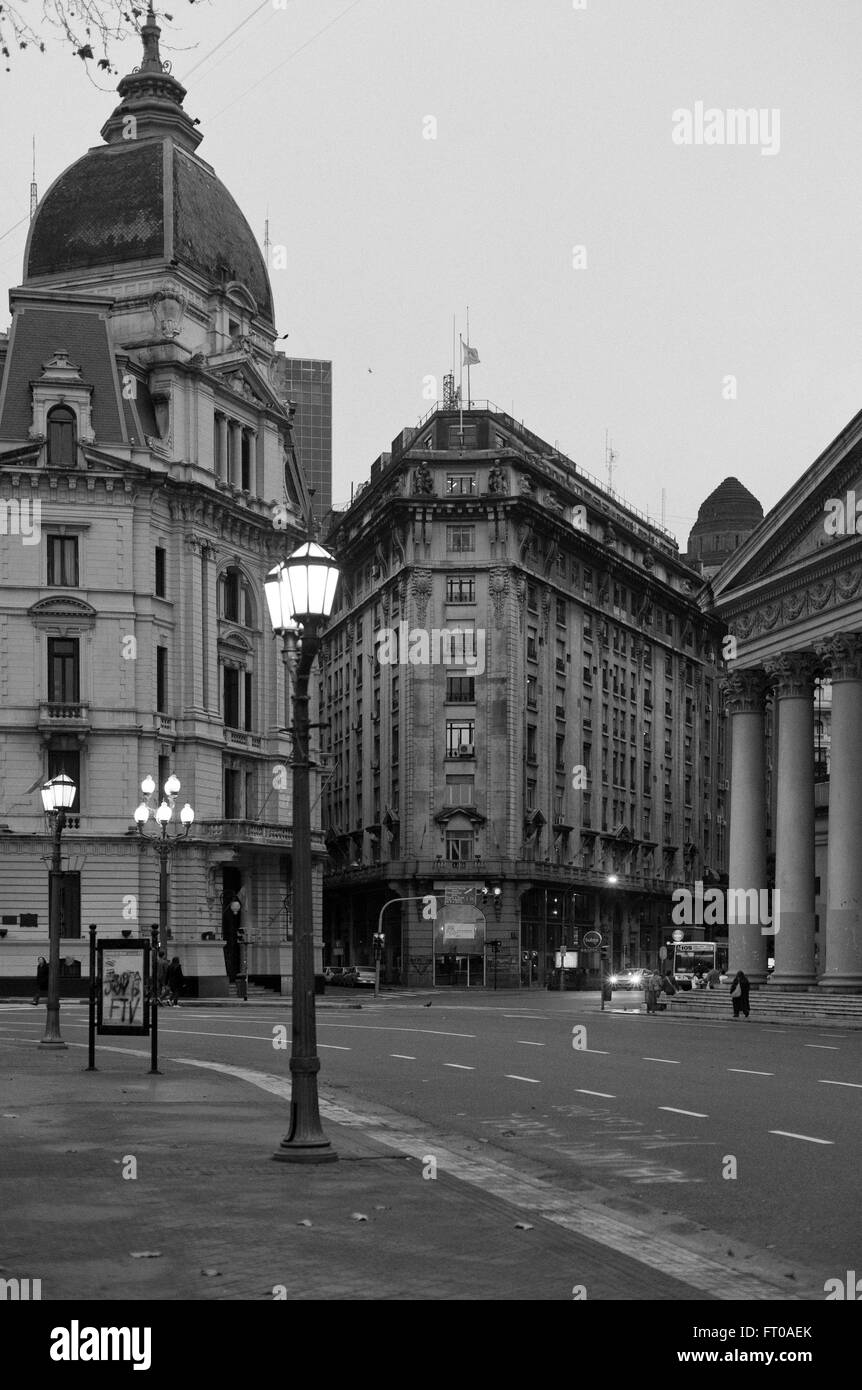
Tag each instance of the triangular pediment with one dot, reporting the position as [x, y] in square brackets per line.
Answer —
[244, 380]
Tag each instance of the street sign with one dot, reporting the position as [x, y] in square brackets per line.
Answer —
[678, 935]
[662, 955]
[592, 938]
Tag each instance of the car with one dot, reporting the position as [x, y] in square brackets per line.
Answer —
[338, 974]
[363, 976]
[630, 978]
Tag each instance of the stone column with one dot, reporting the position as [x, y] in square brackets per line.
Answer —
[793, 923]
[843, 938]
[221, 448]
[744, 692]
[235, 454]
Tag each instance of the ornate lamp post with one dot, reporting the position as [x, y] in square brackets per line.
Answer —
[164, 847]
[58, 797]
[300, 594]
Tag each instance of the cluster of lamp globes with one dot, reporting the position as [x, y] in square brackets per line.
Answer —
[163, 813]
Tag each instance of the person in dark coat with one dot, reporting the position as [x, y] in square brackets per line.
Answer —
[161, 976]
[174, 979]
[739, 1000]
[41, 978]
[651, 984]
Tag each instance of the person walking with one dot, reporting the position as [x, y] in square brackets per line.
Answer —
[651, 991]
[739, 987]
[41, 978]
[161, 977]
[713, 977]
[175, 980]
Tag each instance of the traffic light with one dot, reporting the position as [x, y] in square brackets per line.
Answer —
[379, 940]
[429, 907]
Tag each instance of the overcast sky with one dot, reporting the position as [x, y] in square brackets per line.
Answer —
[555, 129]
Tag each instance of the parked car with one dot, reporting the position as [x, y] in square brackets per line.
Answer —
[363, 977]
[335, 974]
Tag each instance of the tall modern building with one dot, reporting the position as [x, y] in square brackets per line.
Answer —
[148, 482]
[307, 383]
[522, 714]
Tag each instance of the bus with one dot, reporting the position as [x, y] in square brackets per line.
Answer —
[696, 957]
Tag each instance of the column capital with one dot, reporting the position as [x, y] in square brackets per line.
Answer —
[843, 656]
[744, 692]
[792, 674]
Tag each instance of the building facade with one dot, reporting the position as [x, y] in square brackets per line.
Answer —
[791, 599]
[148, 482]
[306, 382]
[522, 714]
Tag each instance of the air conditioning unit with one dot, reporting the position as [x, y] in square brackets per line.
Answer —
[467, 750]
[558, 819]
[723, 786]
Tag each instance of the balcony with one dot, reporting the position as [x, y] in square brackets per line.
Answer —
[239, 739]
[63, 717]
[246, 832]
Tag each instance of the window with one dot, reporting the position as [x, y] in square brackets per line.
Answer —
[395, 695]
[561, 613]
[460, 588]
[396, 745]
[530, 794]
[62, 430]
[532, 754]
[532, 692]
[460, 538]
[230, 687]
[587, 712]
[460, 789]
[532, 598]
[588, 676]
[561, 752]
[561, 657]
[460, 845]
[248, 709]
[460, 690]
[532, 648]
[162, 679]
[459, 737]
[232, 794]
[236, 604]
[161, 557]
[588, 583]
[63, 561]
[460, 484]
[245, 462]
[560, 703]
[63, 670]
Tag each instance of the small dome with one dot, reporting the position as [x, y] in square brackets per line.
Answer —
[730, 502]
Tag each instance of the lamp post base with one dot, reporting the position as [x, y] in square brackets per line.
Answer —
[292, 1152]
[305, 1141]
[56, 1043]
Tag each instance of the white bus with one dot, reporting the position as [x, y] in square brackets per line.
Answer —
[696, 957]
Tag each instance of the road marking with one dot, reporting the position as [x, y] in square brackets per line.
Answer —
[540, 1018]
[696, 1114]
[458, 1066]
[669, 1060]
[510, 1077]
[857, 1085]
[597, 1050]
[525, 1042]
[404, 1056]
[823, 1047]
[375, 1028]
[605, 1095]
[746, 1071]
[809, 1139]
[335, 1047]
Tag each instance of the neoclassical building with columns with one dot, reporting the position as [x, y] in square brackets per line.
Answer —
[791, 599]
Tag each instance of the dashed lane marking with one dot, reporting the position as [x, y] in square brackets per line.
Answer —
[695, 1114]
[823, 1047]
[511, 1077]
[809, 1138]
[457, 1066]
[334, 1047]
[403, 1056]
[376, 1028]
[670, 1061]
[525, 1042]
[605, 1095]
[857, 1085]
[746, 1071]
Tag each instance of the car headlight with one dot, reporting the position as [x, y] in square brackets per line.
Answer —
[614, 979]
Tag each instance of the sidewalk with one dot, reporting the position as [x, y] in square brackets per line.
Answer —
[211, 1216]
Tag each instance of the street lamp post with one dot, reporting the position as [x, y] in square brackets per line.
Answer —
[164, 847]
[300, 594]
[58, 797]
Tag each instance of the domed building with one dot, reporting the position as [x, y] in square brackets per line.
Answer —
[727, 517]
[148, 482]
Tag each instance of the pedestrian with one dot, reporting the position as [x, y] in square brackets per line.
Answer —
[667, 988]
[651, 981]
[41, 978]
[739, 988]
[713, 978]
[175, 980]
[161, 976]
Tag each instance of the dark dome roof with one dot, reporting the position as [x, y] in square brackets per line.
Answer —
[730, 503]
[148, 197]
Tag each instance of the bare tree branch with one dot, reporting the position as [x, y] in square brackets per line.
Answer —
[89, 28]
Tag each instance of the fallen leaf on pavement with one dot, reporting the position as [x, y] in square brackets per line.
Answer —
[146, 1254]
[523, 1226]
[303, 1223]
[357, 1216]
[211, 1273]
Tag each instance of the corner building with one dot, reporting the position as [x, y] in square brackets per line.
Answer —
[139, 419]
[521, 696]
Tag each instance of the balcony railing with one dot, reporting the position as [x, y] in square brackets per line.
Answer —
[71, 714]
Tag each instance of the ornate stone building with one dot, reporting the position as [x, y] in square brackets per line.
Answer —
[521, 696]
[144, 457]
[791, 598]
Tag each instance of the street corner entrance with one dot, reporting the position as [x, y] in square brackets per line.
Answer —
[459, 945]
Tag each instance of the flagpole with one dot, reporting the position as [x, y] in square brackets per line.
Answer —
[469, 396]
[461, 390]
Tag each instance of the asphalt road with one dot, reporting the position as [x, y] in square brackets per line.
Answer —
[658, 1112]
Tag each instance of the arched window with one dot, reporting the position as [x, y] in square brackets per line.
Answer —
[62, 425]
[236, 600]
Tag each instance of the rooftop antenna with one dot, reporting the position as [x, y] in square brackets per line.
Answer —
[611, 457]
[34, 193]
[663, 507]
[267, 244]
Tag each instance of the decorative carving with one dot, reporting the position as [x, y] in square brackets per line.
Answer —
[792, 674]
[168, 308]
[843, 655]
[744, 691]
[521, 596]
[421, 586]
[423, 481]
[648, 560]
[498, 587]
[497, 480]
[526, 484]
[546, 612]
